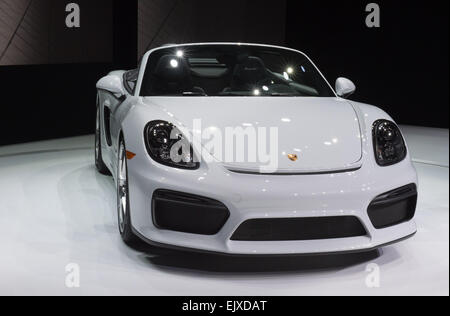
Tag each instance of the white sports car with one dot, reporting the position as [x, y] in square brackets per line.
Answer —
[245, 149]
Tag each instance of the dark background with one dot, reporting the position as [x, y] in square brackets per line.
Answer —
[54, 101]
[178, 21]
[35, 32]
[401, 67]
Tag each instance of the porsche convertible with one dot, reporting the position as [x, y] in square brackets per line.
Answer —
[244, 149]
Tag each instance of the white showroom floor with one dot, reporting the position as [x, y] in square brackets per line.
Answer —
[57, 210]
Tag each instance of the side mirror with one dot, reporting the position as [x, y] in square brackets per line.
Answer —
[112, 84]
[345, 87]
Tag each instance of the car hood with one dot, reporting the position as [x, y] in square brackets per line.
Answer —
[323, 133]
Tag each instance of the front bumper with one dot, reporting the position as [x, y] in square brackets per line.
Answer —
[249, 197]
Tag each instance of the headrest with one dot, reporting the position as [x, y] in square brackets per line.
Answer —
[172, 74]
[250, 71]
[171, 66]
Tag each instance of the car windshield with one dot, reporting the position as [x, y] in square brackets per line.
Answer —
[232, 70]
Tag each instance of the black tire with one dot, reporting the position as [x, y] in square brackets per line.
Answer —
[99, 164]
[123, 197]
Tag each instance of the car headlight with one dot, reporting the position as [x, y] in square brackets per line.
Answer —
[389, 145]
[167, 145]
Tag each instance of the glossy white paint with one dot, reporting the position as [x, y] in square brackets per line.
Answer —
[113, 84]
[334, 144]
[345, 87]
[333, 135]
[56, 209]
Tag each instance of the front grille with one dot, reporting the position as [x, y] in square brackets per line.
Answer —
[188, 213]
[298, 229]
[394, 208]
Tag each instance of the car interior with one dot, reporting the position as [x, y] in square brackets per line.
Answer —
[230, 74]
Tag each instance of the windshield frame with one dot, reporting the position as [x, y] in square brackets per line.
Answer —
[147, 56]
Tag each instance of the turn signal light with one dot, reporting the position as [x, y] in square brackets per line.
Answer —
[130, 155]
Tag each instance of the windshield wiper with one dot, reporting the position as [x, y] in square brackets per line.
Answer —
[194, 94]
[278, 94]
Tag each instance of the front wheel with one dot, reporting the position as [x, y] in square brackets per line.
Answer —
[123, 197]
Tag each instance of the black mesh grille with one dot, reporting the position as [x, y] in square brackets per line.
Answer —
[188, 213]
[291, 229]
[394, 208]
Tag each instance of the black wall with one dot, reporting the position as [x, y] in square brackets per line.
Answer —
[402, 67]
[55, 101]
[38, 32]
[193, 21]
